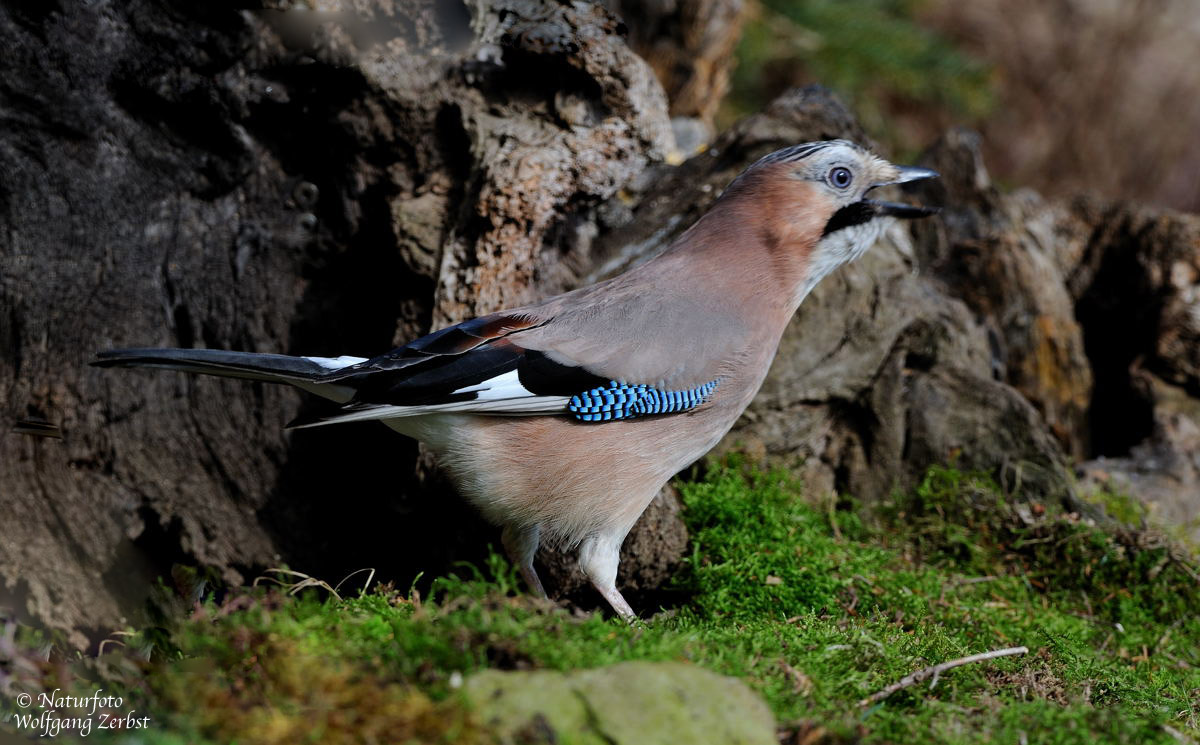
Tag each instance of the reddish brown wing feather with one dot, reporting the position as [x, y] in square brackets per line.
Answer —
[452, 340]
[470, 334]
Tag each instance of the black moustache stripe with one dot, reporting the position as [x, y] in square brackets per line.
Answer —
[853, 214]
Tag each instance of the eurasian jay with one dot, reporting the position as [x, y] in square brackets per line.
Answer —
[561, 420]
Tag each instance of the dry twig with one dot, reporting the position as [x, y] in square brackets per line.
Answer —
[1179, 736]
[293, 588]
[935, 672]
[802, 684]
[963, 583]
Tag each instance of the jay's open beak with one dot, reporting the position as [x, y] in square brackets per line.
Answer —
[904, 211]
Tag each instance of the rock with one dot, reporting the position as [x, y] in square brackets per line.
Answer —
[1136, 284]
[1004, 257]
[1137, 288]
[1091, 311]
[612, 706]
[1163, 470]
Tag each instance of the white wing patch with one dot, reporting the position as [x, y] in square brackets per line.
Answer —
[336, 363]
[339, 393]
[506, 385]
[502, 395]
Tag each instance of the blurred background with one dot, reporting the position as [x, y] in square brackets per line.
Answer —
[1070, 95]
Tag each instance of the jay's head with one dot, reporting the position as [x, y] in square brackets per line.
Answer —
[822, 192]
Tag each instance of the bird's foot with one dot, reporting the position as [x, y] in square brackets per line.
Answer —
[617, 601]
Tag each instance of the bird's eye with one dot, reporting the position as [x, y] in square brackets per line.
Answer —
[840, 177]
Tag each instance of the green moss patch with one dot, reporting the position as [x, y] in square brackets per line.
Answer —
[814, 606]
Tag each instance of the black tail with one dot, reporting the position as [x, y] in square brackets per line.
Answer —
[275, 368]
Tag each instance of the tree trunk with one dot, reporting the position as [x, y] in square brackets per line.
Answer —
[306, 183]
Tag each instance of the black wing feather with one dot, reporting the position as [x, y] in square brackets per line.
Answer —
[431, 369]
[451, 341]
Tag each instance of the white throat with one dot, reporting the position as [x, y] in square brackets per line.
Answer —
[837, 248]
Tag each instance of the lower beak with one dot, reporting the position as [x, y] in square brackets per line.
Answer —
[904, 211]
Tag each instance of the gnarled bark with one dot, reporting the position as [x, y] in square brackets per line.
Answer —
[191, 175]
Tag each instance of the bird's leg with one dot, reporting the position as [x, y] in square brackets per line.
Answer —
[521, 544]
[599, 555]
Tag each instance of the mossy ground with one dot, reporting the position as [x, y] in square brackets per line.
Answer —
[813, 605]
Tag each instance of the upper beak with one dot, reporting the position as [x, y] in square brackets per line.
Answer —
[906, 211]
[911, 173]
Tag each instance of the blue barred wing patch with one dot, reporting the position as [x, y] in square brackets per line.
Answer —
[624, 401]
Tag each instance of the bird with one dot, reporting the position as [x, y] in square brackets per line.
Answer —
[560, 420]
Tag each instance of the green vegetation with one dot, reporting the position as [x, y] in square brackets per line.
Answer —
[873, 52]
[816, 606]
[1120, 505]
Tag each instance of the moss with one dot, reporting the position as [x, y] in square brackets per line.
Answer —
[1118, 504]
[813, 607]
[255, 681]
[1121, 574]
